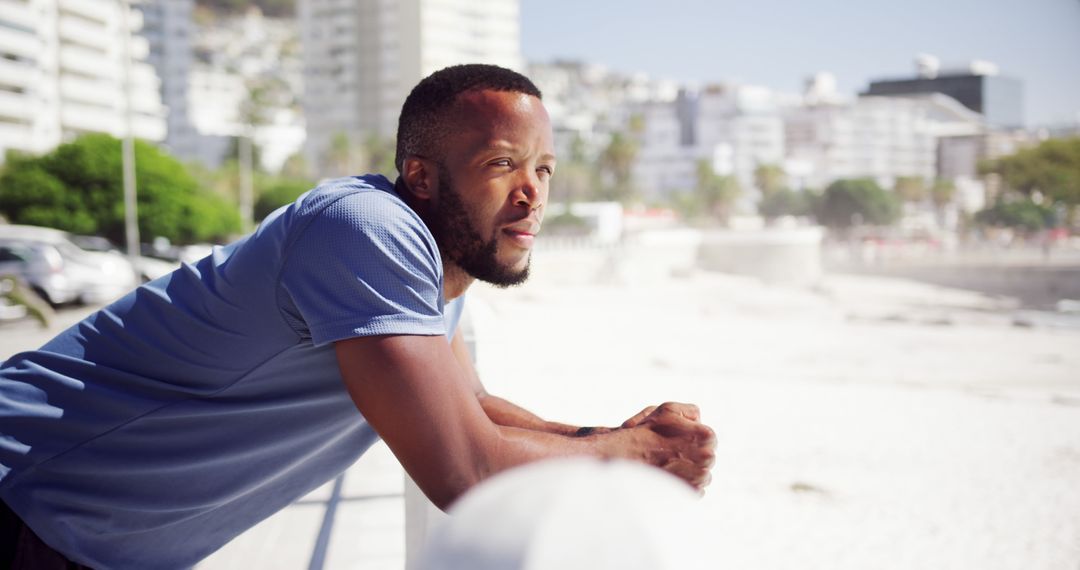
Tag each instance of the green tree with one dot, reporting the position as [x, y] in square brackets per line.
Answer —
[785, 202]
[850, 202]
[1024, 215]
[30, 194]
[278, 192]
[769, 179]
[1051, 169]
[78, 187]
[910, 189]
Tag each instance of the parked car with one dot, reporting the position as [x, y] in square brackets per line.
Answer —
[60, 271]
[148, 267]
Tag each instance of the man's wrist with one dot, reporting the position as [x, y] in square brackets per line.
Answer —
[591, 430]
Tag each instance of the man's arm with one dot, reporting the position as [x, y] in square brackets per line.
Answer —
[418, 398]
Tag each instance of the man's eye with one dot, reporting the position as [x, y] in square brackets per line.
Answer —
[546, 170]
[501, 162]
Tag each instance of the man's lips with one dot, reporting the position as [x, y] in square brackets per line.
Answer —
[529, 226]
[523, 232]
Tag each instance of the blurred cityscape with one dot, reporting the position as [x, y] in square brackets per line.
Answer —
[239, 107]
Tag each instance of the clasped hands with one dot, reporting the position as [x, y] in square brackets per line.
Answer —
[670, 436]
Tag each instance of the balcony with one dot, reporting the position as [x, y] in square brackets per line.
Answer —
[19, 43]
[90, 118]
[88, 91]
[14, 135]
[78, 30]
[88, 62]
[98, 10]
[17, 74]
[19, 14]
[17, 107]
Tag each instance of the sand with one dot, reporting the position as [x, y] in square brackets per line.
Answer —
[862, 422]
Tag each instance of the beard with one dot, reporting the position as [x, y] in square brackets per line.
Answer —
[460, 243]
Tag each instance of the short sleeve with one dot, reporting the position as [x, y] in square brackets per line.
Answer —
[365, 265]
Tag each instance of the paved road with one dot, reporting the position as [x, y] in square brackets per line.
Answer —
[27, 334]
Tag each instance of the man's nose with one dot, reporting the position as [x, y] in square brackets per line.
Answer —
[530, 191]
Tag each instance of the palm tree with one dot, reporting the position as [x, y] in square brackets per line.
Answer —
[717, 193]
[911, 189]
[616, 163]
[769, 179]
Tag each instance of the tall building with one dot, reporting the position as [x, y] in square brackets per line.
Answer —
[740, 128]
[666, 162]
[733, 128]
[361, 58]
[169, 27]
[245, 80]
[883, 138]
[979, 88]
[62, 73]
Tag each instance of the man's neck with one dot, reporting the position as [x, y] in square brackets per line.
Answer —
[455, 280]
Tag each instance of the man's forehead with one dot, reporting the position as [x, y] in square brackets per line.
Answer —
[491, 105]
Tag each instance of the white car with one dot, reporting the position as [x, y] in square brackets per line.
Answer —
[61, 272]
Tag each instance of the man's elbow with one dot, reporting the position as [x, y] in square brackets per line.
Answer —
[473, 467]
[443, 496]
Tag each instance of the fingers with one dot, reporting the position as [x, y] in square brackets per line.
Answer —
[690, 448]
[687, 448]
[673, 425]
[688, 411]
[639, 417]
[697, 476]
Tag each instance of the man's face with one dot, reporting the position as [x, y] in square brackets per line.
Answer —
[493, 185]
[463, 245]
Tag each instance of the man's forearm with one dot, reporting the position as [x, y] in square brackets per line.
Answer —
[667, 439]
[506, 413]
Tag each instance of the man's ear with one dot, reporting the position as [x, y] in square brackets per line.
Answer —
[420, 178]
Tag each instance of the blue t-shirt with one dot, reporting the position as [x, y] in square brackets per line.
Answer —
[160, 427]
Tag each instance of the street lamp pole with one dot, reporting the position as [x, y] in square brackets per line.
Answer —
[246, 177]
[131, 225]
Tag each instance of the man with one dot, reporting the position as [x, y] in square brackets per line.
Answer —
[162, 426]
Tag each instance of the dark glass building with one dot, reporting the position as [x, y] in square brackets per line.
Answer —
[999, 99]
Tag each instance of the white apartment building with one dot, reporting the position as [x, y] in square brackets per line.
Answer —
[883, 138]
[62, 73]
[233, 63]
[666, 159]
[735, 128]
[739, 127]
[587, 102]
[361, 57]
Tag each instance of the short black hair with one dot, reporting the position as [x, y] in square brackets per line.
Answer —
[424, 116]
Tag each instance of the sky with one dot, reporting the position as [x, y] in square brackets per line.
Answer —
[779, 43]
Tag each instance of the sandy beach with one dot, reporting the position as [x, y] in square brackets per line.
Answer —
[863, 422]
